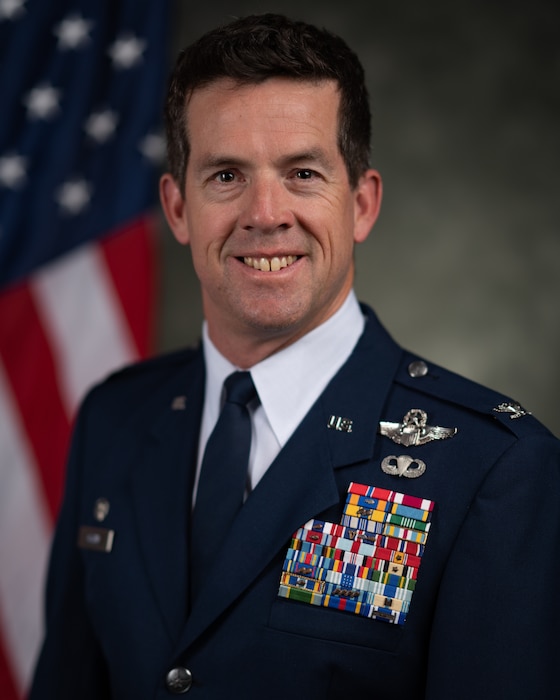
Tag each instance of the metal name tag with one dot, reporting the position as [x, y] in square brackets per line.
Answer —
[98, 539]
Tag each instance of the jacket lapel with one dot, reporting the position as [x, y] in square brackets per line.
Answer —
[301, 482]
[162, 488]
[359, 392]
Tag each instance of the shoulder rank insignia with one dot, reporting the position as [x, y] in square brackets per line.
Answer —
[414, 430]
[514, 410]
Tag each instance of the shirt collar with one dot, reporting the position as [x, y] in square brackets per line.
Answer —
[290, 381]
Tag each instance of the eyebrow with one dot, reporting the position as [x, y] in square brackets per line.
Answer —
[218, 162]
[313, 155]
[224, 161]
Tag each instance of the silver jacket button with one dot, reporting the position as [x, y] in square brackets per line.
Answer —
[178, 680]
[418, 369]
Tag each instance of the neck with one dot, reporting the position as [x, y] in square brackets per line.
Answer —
[247, 346]
[245, 351]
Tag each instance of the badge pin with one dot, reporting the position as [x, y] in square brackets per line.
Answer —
[403, 465]
[339, 423]
[514, 409]
[414, 430]
[101, 509]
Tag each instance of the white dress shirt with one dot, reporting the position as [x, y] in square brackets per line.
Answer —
[288, 384]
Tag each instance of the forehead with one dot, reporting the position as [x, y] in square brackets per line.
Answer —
[275, 106]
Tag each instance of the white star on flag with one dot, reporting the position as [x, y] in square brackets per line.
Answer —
[152, 147]
[13, 171]
[42, 101]
[127, 51]
[73, 32]
[11, 9]
[73, 196]
[100, 126]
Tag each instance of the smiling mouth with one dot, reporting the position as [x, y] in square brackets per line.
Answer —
[270, 264]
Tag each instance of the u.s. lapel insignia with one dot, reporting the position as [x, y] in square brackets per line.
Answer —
[514, 409]
[414, 430]
[403, 465]
[339, 423]
[179, 403]
[101, 509]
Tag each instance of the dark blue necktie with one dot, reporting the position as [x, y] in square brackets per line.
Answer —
[223, 477]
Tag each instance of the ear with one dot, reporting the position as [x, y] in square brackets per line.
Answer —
[174, 207]
[367, 203]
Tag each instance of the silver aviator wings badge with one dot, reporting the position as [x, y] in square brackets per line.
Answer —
[414, 430]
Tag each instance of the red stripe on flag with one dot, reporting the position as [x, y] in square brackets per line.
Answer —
[27, 358]
[8, 689]
[130, 257]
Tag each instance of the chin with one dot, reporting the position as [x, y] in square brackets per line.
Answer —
[272, 323]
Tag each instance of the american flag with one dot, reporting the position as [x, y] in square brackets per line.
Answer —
[81, 88]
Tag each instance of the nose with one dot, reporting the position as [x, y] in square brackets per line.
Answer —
[266, 206]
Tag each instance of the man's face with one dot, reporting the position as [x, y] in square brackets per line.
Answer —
[268, 210]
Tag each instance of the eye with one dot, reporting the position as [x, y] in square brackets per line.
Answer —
[305, 174]
[225, 176]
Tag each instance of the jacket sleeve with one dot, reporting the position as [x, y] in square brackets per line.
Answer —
[70, 665]
[498, 614]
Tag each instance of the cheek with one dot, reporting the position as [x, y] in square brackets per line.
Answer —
[200, 257]
[337, 238]
[206, 236]
[332, 218]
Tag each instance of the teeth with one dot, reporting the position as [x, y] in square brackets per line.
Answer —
[270, 265]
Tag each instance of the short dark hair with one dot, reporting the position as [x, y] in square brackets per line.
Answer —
[253, 49]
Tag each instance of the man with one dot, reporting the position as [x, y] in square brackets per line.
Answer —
[397, 527]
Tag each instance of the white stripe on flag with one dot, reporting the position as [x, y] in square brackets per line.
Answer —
[24, 543]
[83, 320]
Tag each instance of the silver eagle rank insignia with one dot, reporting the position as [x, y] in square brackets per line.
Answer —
[512, 408]
[414, 430]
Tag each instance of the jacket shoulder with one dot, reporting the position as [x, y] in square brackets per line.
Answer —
[135, 384]
[432, 380]
[157, 366]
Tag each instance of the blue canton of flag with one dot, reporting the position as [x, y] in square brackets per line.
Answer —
[83, 81]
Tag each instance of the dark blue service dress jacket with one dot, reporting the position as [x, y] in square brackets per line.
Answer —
[484, 615]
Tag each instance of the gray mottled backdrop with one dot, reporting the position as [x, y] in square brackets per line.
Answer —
[464, 263]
